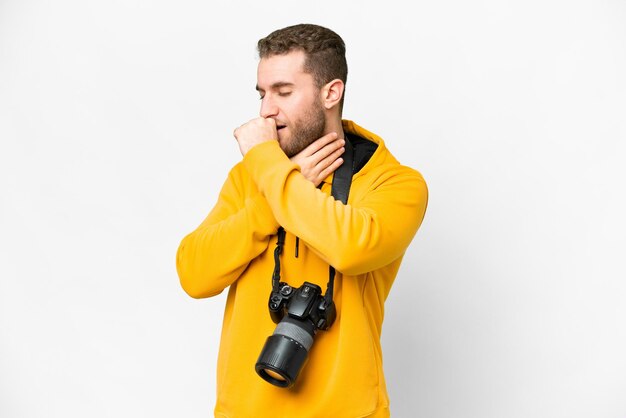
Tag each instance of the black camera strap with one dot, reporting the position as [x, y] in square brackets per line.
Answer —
[342, 179]
[340, 189]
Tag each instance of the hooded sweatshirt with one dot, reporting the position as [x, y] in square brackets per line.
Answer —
[363, 240]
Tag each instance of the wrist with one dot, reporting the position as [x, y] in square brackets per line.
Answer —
[247, 147]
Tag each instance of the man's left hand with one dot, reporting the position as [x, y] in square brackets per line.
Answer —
[321, 158]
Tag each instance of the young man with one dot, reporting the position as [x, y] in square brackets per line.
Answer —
[291, 153]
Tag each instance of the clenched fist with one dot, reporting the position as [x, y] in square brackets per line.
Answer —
[254, 132]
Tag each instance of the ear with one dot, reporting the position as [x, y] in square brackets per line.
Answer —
[331, 93]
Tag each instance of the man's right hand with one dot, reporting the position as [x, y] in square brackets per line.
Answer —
[321, 158]
[254, 132]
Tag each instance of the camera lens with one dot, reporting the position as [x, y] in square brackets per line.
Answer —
[285, 351]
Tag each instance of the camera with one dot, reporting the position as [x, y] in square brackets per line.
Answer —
[299, 313]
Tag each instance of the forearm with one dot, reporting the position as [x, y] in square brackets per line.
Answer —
[362, 236]
[214, 255]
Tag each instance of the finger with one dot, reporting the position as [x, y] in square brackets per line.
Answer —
[271, 121]
[330, 169]
[329, 159]
[321, 143]
[329, 149]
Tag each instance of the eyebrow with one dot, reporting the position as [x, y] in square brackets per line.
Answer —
[276, 85]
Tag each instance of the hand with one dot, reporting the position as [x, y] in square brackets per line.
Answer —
[321, 158]
[254, 132]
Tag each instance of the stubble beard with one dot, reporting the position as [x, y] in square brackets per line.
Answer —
[306, 130]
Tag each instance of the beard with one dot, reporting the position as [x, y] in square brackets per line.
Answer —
[305, 130]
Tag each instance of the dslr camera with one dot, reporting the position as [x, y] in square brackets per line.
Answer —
[299, 313]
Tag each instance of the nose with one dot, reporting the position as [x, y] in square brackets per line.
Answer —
[268, 107]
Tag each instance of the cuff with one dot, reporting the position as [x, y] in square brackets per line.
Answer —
[267, 160]
[261, 214]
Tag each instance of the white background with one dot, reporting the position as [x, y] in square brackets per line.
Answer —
[116, 122]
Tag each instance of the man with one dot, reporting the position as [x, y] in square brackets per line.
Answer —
[290, 156]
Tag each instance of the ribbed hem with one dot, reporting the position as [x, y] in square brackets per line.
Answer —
[382, 412]
[378, 413]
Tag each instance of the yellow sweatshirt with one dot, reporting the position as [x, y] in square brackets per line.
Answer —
[364, 240]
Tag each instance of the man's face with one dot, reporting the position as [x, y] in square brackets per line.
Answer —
[291, 98]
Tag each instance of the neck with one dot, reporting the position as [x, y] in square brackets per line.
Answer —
[334, 125]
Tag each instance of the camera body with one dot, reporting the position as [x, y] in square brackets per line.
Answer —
[298, 313]
[303, 303]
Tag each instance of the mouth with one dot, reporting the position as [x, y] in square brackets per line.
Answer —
[279, 127]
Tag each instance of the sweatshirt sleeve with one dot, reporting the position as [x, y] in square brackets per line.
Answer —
[373, 230]
[236, 231]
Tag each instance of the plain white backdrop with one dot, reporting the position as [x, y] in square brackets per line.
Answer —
[116, 123]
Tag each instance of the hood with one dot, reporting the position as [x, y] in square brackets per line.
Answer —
[380, 156]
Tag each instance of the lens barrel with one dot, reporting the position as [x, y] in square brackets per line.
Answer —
[285, 351]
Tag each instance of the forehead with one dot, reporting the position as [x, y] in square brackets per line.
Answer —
[285, 68]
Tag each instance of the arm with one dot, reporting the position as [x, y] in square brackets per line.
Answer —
[236, 231]
[369, 233]
[238, 228]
